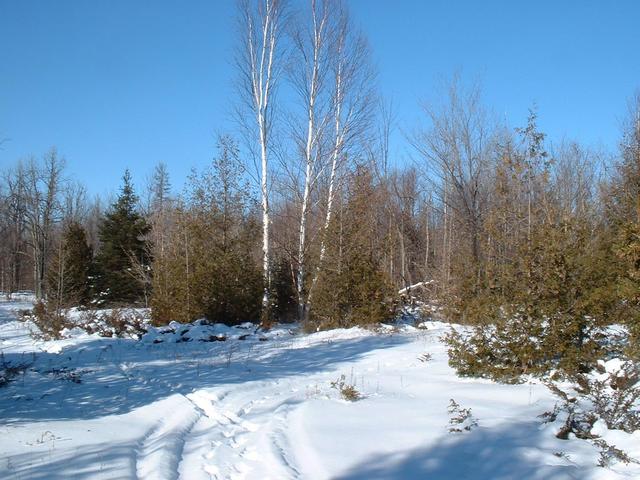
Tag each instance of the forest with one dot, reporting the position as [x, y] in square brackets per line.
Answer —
[307, 218]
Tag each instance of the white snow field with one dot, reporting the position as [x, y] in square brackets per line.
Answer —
[262, 407]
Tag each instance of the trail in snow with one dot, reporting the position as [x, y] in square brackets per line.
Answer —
[161, 448]
[266, 410]
[238, 447]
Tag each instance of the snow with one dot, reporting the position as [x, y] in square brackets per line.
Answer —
[177, 404]
[613, 366]
[415, 286]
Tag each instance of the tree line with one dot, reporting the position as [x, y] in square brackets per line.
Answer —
[305, 215]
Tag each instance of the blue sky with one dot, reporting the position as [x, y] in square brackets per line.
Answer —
[121, 83]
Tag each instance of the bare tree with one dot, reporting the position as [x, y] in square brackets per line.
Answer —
[95, 212]
[74, 207]
[386, 125]
[403, 214]
[159, 202]
[628, 188]
[13, 229]
[42, 185]
[457, 148]
[259, 62]
[575, 179]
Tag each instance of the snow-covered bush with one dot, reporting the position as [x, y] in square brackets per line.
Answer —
[601, 401]
[611, 396]
[615, 395]
[519, 343]
[460, 419]
[116, 322]
[610, 453]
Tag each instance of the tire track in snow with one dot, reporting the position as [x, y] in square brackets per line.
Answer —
[279, 440]
[159, 451]
[205, 402]
[230, 446]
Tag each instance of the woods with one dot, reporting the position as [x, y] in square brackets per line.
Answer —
[304, 214]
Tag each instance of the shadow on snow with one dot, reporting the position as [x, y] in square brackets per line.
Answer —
[515, 451]
[501, 453]
[104, 460]
[116, 376]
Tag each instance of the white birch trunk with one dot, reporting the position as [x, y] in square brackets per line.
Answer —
[266, 257]
[259, 67]
[310, 155]
[335, 158]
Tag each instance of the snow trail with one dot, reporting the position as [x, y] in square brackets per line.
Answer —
[96, 408]
[160, 450]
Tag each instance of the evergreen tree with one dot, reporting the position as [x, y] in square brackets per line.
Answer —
[69, 279]
[624, 215]
[540, 306]
[210, 267]
[123, 251]
[352, 288]
[283, 291]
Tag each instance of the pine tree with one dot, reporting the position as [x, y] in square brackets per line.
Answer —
[123, 250]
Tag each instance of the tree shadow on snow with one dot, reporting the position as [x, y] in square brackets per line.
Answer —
[512, 452]
[114, 376]
[100, 460]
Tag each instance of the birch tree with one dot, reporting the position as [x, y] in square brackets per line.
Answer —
[259, 62]
[311, 40]
[352, 101]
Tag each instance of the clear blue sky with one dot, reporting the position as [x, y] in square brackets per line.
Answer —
[123, 83]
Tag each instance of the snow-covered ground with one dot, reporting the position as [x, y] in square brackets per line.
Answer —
[261, 406]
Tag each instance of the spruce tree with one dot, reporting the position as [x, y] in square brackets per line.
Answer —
[123, 250]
